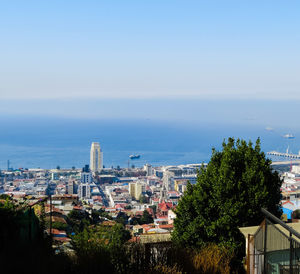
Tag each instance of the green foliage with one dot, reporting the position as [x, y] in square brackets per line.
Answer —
[230, 192]
[122, 218]
[5, 197]
[91, 252]
[95, 216]
[59, 226]
[135, 221]
[104, 214]
[102, 248]
[146, 218]
[212, 259]
[78, 220]
[154, 207]
[143, 199]
[77, 215]
[102, 235]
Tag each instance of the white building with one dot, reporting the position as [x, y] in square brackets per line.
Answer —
[148, 169]
[96, 157]
[86, 177]
[84, 191]
[171, 216]
[136, 189]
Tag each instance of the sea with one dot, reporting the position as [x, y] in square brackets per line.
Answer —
[48, 142]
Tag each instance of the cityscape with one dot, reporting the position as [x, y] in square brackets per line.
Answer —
[149, 137]
[127, 192]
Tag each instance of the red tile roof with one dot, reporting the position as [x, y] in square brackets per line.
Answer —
[77, 207]
[287, 202]
[166, 226]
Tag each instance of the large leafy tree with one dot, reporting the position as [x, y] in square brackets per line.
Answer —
[229, 193]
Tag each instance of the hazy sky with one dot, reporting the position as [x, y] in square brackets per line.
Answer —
[150, 49]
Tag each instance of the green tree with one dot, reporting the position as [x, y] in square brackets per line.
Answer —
[122, 218]
[59, 226]
[95, 216]
[154, 208]
[101, 249]
[143, 199]
[229, 193]
[135, 221]
[146, 218]
[78, 220]
[103, 214]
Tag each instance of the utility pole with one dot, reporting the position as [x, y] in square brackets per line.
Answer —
[50, 198]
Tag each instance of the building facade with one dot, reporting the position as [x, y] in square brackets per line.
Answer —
[86, 177]
[96, 157]
[136, 189]
[148, 169]
[84, 191]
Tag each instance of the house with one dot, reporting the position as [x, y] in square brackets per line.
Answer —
[289, 205]
[163, 208]
[272, 247]
[137, 229]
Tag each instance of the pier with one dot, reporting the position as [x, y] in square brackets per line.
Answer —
[281, 154]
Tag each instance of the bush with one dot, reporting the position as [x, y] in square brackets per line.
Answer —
[59, 226]
[213, 259]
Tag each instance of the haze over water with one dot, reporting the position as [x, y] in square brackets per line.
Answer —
[163, 132]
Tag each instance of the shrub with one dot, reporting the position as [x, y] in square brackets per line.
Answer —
[212, 259]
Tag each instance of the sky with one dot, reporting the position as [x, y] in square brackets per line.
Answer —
[72, 71]
[142, 50]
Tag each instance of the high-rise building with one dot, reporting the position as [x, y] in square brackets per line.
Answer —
[148, 169]
[86, 177]
[72, 186]
[84, 191]
[136, 189]
[96, 157]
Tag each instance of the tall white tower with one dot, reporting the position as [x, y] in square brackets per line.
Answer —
[96, 157]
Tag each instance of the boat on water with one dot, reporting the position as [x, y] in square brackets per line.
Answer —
[289, 136]
[132, 157]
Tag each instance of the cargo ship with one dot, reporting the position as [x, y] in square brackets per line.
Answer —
[289, 136]
[132, 157]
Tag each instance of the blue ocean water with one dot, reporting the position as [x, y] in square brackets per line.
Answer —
[46, 142]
